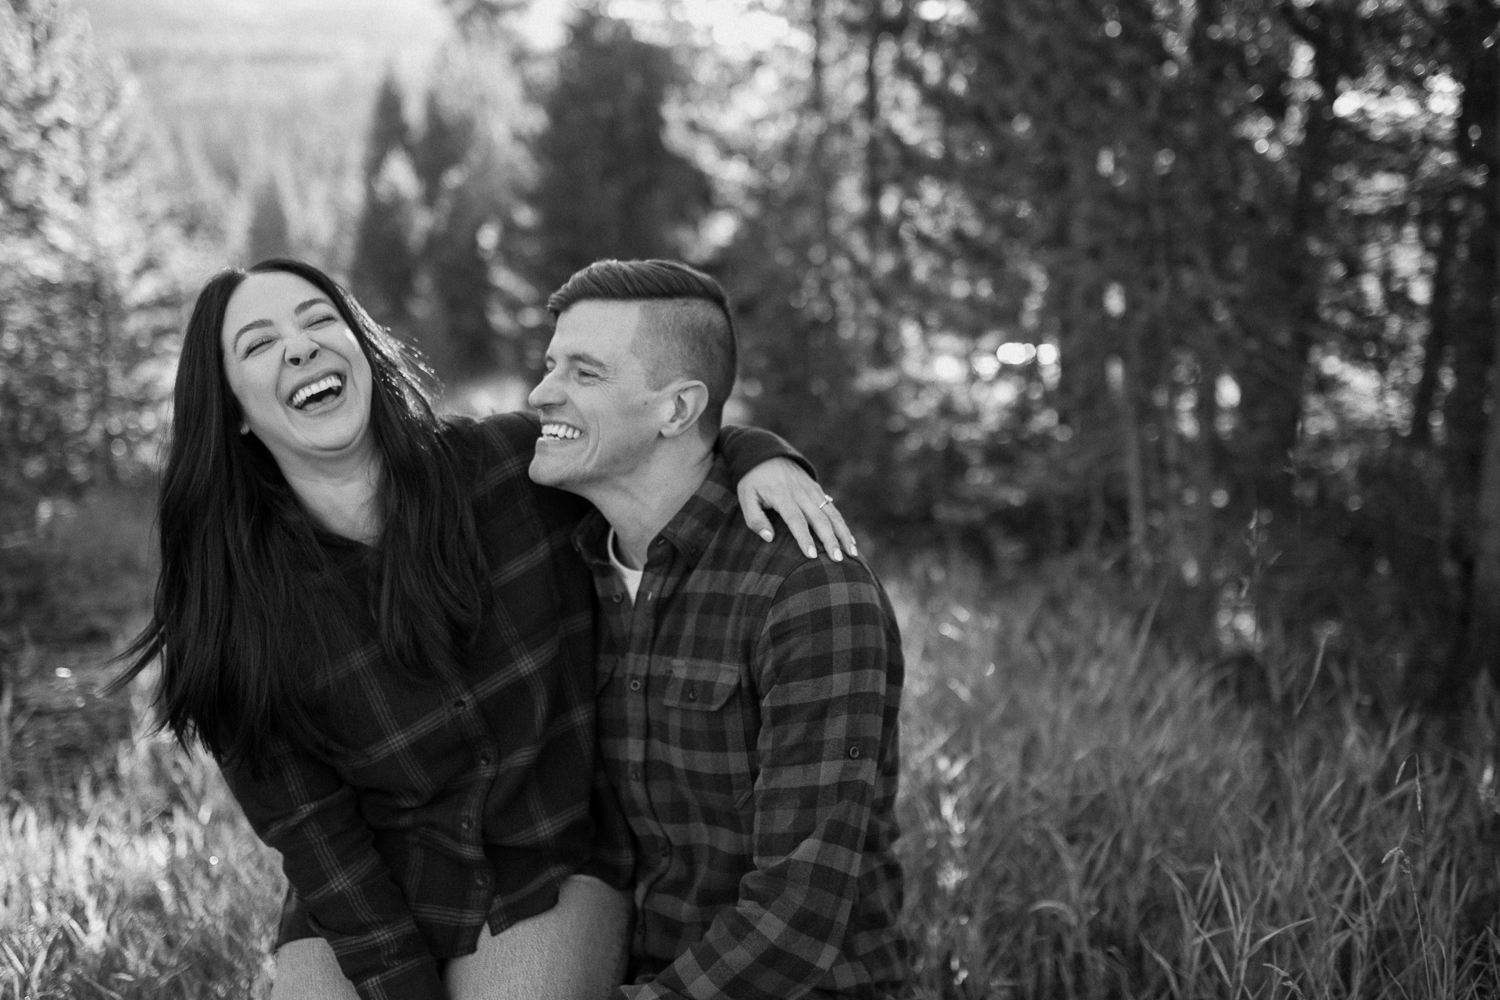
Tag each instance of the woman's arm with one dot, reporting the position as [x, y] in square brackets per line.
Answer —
[309, 814]
[768, 471]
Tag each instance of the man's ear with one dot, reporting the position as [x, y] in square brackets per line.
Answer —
[688, 399]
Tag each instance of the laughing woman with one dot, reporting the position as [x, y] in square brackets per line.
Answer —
[376, 623]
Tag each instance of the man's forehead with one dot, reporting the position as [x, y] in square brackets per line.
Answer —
[598, 322]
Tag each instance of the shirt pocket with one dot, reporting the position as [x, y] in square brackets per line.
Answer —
[700, 685]
[709, 732]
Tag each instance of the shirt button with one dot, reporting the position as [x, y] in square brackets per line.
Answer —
[854, 752]
[635, 683]
[466, 825]
[692, 693]
[458, 706]
[619, 598]
[635, 774]
[666, 849]
[484, 760]
[482, 879]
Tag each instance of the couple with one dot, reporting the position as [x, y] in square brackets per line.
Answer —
[527, 716]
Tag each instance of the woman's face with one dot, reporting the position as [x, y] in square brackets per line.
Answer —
[303, 384]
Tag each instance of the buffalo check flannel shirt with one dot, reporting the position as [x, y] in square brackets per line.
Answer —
[462, 803]
[748, 703]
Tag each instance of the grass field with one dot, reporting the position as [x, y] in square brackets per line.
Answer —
[1084, 816]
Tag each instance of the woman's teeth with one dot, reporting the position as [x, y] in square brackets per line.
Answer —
[329, 383]
[560, 431]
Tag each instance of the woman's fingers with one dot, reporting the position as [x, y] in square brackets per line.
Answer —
[820, 518]
[796, 523]
[841, 533]
[755, 516]
[810, 514]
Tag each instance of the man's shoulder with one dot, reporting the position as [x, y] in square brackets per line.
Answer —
[780, 571]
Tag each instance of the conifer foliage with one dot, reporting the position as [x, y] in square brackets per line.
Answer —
[88, 256]
[608, 185]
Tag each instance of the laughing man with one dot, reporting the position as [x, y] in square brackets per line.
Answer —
[747, 695]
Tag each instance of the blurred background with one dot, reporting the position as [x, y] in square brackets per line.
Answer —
[1149, 344]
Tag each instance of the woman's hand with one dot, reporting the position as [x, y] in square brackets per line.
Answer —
[781, 485]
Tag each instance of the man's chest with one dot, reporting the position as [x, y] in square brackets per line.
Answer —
[678, 704]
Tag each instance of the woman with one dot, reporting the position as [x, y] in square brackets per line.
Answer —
[377, 625]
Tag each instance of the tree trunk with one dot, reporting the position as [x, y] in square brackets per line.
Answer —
[1122, 383]
[1439, 318]
[1275, 385]
[1482, 646]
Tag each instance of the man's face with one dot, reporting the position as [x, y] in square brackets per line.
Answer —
[600, 416]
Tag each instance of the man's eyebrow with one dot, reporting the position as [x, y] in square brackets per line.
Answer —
[588, 359]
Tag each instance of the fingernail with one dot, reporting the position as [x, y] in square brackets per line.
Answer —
[838, 556]
[812, 553]
[853, 550]
[766, 534]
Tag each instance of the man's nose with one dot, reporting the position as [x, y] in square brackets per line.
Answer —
[544, 394]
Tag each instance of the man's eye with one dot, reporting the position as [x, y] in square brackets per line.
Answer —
[584, 373]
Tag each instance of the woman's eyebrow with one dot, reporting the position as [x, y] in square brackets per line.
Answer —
[257, 324]
[254, 324]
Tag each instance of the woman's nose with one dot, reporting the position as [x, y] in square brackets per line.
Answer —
[300, 352]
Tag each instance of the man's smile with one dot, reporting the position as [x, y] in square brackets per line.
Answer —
[554, 431]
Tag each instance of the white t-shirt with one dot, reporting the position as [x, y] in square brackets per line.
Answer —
[632, 577]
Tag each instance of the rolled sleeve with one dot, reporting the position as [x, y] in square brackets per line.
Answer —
[746, 447]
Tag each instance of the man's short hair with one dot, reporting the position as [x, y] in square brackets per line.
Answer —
[686, 329]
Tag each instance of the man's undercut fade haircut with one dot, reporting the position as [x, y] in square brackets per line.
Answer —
[686, 328]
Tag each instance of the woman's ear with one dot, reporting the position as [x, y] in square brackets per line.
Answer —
[688, 400]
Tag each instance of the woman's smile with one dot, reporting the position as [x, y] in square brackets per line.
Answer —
[300, 376]
[313, 396]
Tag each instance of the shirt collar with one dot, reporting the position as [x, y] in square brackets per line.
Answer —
[690, 529]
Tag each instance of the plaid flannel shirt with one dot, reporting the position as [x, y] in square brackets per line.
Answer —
[748, 705]
[459, 803]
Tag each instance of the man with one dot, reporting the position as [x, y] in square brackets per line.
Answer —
[747, 695]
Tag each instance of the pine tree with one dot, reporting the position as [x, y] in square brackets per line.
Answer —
[608, 185]
[89, 292]
[385, 260]
[471, 167]
[269, 234]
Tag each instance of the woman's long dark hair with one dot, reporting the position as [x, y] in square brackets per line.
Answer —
[247, 606]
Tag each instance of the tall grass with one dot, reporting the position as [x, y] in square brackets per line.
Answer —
[149, 885]
[1084, 814]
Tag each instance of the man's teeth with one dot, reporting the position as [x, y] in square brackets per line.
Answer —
[562, 431]
[321, 385]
